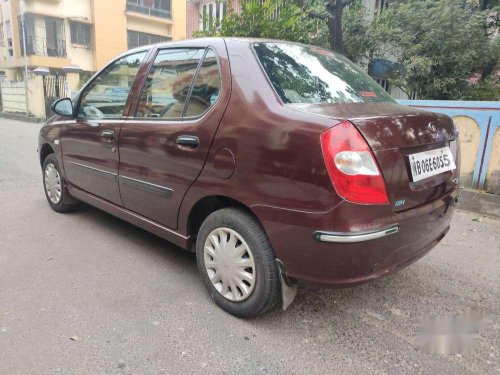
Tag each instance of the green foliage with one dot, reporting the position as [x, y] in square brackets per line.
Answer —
[487, 89]
[262, 21]
[438, 44]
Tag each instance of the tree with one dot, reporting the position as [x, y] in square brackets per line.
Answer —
[339, 25]
[438, 44]
[440, 47]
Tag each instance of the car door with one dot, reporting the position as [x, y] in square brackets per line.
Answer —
[164, 145]
[90, 141]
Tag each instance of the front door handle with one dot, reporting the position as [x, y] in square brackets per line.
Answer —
[190, 141]
[108, 135]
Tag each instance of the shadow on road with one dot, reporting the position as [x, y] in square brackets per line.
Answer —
[308, 301]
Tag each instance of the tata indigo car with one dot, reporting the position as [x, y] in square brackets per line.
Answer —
[279, 164]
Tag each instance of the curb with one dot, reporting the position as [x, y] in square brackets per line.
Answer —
[24, 118]
[479, 202]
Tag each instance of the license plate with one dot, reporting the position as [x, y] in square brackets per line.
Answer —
[430, 163]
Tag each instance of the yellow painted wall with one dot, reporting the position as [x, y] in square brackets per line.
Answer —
[65, 9]
[15, 27]
[145, 24]
[36, 99]
[470, 136]
[179, 18]
[492, 181]
[110, 24]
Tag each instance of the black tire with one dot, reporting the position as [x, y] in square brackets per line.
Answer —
[66, 202]
[266, 291]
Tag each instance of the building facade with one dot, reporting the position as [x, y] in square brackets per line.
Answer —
[84, 34]
[199, 11]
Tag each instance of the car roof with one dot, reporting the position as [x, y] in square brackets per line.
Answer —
[197, 41]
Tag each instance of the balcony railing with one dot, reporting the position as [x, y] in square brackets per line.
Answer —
[158, 8]
[40, 46]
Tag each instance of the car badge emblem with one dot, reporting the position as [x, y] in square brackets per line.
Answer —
[432, 127]
[400, 203]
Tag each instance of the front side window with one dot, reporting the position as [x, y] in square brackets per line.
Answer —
[306, 74]
[107, 94]
[167, 85]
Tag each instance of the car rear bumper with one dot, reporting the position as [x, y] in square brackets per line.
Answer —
[352, 244]
[352, 237]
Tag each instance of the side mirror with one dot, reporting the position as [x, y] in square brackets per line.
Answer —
[63, 107]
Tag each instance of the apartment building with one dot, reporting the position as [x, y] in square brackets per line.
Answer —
[214, 9]
[82, 34]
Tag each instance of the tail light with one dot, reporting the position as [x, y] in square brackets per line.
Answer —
[352, 166]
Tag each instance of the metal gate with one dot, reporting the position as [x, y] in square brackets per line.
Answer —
[54, 87]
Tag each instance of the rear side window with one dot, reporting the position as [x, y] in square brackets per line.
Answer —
[206, 87]
[167, 86]
[306, 74]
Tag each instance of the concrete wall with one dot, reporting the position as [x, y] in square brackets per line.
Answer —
[492, 181]
[13, 97]
[478, 124]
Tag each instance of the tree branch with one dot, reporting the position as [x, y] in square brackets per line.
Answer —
[345, 3]
[316, 15]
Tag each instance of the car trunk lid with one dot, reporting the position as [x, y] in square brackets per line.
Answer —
[394, 133]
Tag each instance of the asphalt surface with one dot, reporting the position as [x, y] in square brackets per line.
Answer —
[137, 306]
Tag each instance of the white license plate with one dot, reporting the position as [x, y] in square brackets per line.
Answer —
[430, 163]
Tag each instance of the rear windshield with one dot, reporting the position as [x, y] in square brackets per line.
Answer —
[306, 74]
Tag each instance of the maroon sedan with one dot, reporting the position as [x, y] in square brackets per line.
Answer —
[278, 163]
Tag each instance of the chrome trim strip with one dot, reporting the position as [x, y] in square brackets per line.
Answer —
[147, 185]
[97, 170]
[352, 237]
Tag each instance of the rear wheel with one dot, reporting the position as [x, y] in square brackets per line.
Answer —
[237, 263]
[55, 191]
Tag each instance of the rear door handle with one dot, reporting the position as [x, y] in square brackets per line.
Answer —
[108, 135]
[190, 141]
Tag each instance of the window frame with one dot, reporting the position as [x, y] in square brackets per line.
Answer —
[78, 97]
[160, 38]
[188, 98]
[79, 24]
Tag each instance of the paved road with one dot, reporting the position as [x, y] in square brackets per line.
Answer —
[138, 307]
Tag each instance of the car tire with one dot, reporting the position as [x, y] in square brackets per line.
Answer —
[55, 188]
[220, 230]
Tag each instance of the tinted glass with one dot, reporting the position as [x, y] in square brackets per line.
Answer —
[167, 86]
[206, 87]
[107, 94]
[305, 74]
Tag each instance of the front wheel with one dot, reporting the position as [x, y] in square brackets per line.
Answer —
[53, 184]
[237, 263]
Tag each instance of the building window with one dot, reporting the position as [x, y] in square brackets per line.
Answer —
[138, 39]
[155, 8]
[385, 84]
[10, 50]
[2, 40]
[44, 36]
[8, 29]
[81, 34]
[212, 14]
